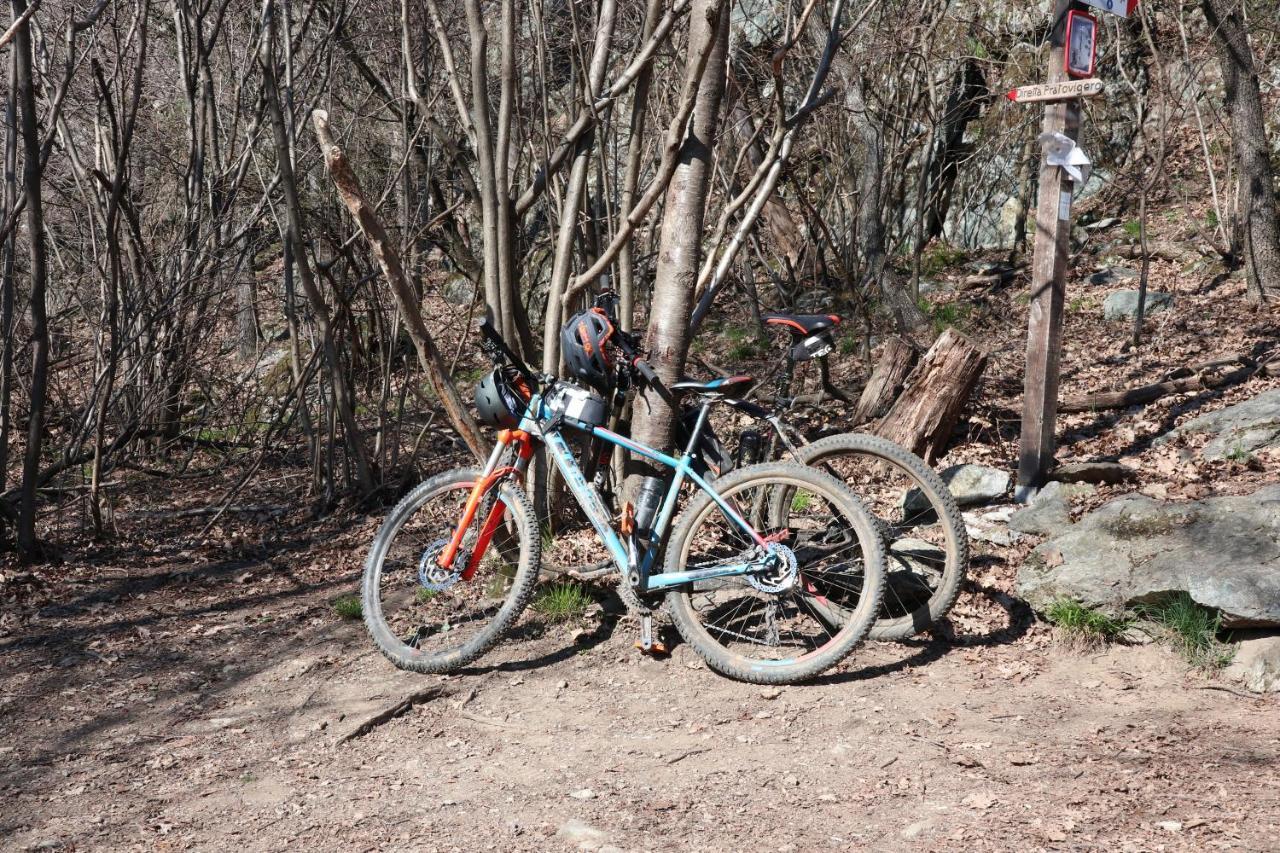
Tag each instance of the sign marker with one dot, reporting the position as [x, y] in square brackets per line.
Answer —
[1061, 91]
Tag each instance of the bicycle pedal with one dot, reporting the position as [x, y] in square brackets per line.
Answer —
[657, 648]
[647, 644]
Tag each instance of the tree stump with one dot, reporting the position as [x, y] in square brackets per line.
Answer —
[886, 380]
[923, 417]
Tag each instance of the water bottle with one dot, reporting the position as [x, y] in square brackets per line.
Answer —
[648, 502]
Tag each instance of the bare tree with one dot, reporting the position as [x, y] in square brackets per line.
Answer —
[1257, 201]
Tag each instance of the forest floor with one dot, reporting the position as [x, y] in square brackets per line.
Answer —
[177, 689]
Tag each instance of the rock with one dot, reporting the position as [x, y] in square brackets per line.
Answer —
[1001, 536]
[1000, 515]
[458, 289]
[1093, 472]
[1224, 552]
[970, 485]
[583, 794]
[911, 562]
[1103, 224]
[1257, 663]
[1048, 514]
[584, 835]
[1010, 213]
[997, 533]
[1124, 304]
[1240, 429]
[754, 22]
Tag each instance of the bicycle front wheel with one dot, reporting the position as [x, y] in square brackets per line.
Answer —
[926, 545]
[765, 627]
[426, 619]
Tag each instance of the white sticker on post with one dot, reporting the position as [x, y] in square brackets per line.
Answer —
[1064, 205]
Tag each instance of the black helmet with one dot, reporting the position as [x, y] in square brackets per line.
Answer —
[582, 342]
[501, 399]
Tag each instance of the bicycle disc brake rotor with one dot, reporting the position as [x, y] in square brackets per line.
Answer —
[782, 576]
[432, 575]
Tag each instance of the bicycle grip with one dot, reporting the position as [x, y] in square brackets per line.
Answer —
[649, 374]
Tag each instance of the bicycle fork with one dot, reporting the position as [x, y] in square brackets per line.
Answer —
[490, 476]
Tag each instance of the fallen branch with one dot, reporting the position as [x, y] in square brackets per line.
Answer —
[1206, 380]
[392, 711]
[389, 260]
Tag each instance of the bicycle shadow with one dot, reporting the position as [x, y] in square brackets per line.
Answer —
[1016, 620]
[945, 638]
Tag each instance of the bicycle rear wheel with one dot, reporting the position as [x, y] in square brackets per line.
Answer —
[426, 619]
[766, 629]
[926, 546]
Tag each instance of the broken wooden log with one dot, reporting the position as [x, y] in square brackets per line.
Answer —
[890, 372]
[933, 396]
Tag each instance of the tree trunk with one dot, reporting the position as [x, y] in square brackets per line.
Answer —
[871, 232]
[782, 224]
[1257, 198]
[575, 192]
[26, 99]
[964, 105]
[886, 380]
[631, 177]
[923, 417]
[485, 159]
[7, 282]
[680, 243]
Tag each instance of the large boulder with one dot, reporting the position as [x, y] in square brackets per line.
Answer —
[1224, 552]
[1239, 429]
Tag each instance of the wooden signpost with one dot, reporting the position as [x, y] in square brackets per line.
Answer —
[1049, 266]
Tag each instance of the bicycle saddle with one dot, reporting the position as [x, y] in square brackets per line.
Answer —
[728, 386]
[803, 324]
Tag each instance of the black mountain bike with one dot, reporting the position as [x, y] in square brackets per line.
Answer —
[922, 531]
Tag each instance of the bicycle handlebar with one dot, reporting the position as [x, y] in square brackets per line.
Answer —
[493, 344]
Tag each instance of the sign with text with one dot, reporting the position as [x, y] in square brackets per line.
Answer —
[1123, 8]
[1056, 91]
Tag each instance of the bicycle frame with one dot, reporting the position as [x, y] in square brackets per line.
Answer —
[642, 573]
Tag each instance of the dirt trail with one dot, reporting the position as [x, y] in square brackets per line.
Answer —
[172, 710]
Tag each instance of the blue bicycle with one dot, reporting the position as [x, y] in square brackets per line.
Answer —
[748, 570]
